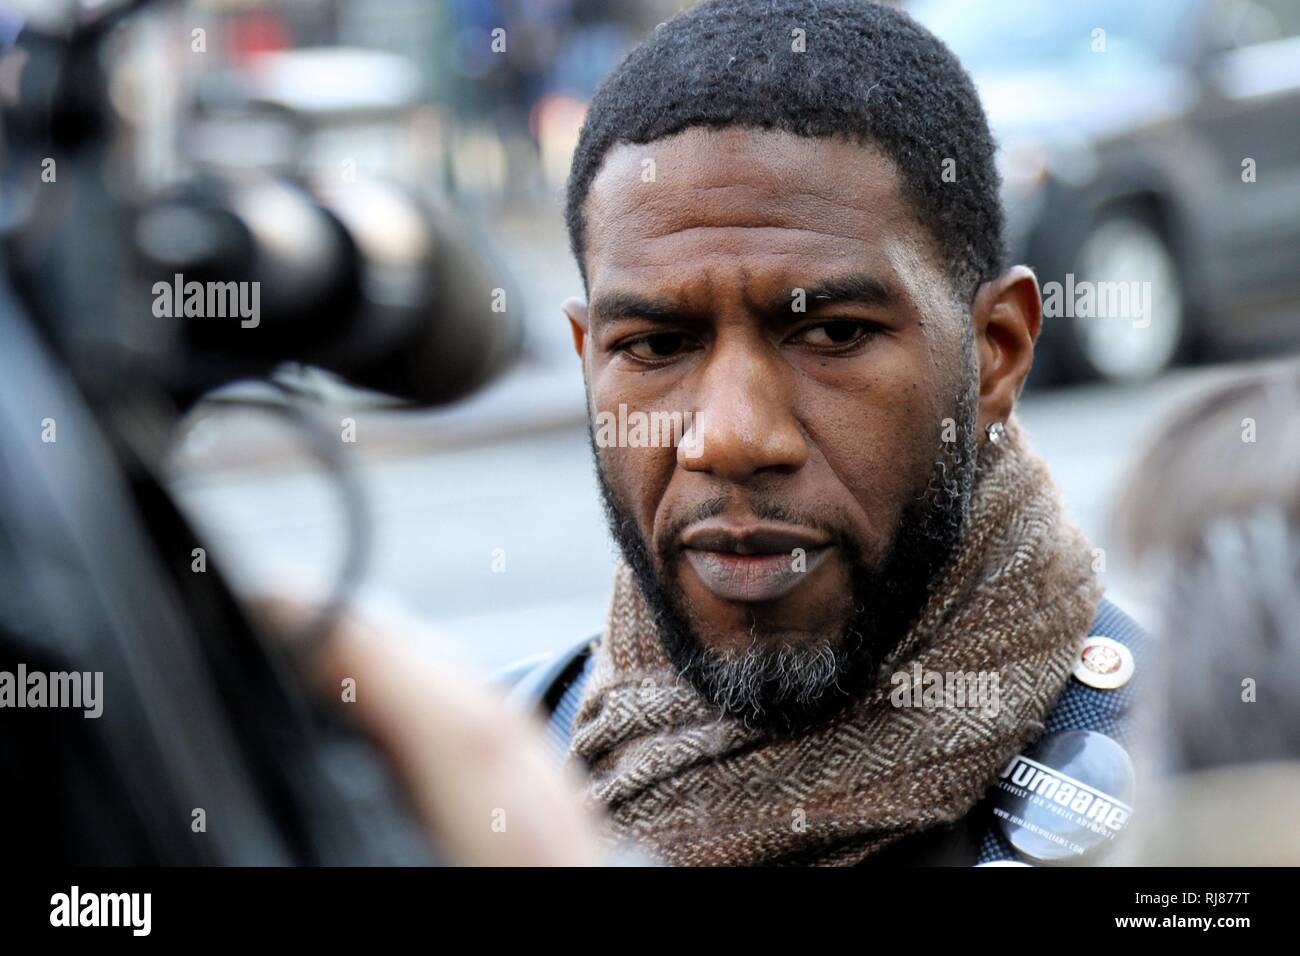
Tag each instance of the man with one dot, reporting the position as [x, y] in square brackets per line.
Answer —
[1211, 516]
[787, 220]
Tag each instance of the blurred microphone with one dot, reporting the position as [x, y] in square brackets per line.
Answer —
[382, 287]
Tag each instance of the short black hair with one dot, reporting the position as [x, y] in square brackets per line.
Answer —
[868, 73]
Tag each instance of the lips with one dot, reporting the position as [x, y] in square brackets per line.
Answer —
[753, 563]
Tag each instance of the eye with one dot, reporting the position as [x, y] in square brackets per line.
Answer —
[655, 347]
[838, 334]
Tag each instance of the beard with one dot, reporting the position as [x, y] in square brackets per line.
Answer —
[790, 687]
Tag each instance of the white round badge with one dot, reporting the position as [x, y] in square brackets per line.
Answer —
[1104, 663]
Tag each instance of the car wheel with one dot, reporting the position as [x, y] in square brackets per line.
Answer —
[1130, 321]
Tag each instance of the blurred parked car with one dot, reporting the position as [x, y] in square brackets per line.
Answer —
[1155, 142]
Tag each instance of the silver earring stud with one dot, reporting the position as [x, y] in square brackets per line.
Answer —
[995, 431]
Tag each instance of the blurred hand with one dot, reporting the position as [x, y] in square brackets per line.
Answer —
[475, 770]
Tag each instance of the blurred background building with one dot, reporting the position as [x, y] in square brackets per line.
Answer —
[1164, 149]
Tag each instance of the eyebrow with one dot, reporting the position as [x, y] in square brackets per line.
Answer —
[856, 288]
[613, 306]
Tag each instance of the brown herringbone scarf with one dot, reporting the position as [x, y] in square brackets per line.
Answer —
[695, 788]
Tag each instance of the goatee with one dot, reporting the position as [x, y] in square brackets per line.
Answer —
[787, 688]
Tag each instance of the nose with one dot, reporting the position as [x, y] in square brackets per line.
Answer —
[744, 421]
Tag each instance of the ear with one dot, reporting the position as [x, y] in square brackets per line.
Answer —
[576, 311]
[1005, 318]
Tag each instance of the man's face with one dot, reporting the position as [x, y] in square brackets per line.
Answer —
[779, 293]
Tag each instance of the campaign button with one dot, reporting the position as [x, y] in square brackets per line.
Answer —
[1066, 798]
[1104, 663]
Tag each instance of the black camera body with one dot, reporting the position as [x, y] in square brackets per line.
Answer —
[117, 312]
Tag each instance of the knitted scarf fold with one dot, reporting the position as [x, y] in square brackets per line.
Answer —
[693, 787]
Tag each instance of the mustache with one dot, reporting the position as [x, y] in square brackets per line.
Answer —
[764, 509]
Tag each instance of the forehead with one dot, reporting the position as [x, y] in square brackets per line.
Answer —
[704, 205]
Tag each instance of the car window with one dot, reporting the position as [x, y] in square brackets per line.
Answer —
[1248, 22]
[1029, 34]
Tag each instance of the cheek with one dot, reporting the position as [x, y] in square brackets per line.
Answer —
[878, 435]
[638, 476]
